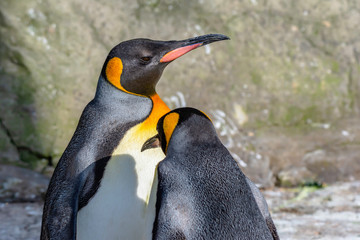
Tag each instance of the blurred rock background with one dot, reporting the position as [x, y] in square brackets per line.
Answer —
[283, 93]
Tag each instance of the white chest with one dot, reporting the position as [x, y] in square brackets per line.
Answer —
[124, 205]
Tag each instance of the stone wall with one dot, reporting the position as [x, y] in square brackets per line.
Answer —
[283, 93]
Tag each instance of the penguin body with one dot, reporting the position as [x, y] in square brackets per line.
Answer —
[123, 200]
[202, 193]
[102, 186]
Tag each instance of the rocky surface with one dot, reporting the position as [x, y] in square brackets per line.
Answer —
[309, 212]
[284, 92]
[331, 213]
[21, 185]
[20, 221]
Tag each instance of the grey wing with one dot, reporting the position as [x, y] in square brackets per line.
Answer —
[63, 197]
[78, 174]
[66, 195]
[59, 215]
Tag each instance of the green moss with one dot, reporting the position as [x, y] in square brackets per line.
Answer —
[304, 193]
[332, 80]
[292, 116]
[284, 183]
[311, 112]
[335, 67]
[29, 159]
[256, 78]
[313, 184]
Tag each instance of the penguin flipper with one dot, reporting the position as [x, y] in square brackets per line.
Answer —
[261, 202]
[62, 196]
[60, 209]
[79, 171]
[272, 228]
[65, 198]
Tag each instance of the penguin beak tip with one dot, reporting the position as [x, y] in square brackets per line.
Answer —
[153, 142]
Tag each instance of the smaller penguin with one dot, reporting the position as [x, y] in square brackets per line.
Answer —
[202, 193]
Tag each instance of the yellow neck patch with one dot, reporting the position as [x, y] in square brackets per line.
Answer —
[169, 125]
[159, 110]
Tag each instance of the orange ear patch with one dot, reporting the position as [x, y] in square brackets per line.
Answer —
[169, 125]
[113, 72]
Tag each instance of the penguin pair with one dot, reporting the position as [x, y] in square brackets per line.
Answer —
[104, 186]
[202, 193]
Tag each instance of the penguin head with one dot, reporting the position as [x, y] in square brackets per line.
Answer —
[182, 126]
[135, 66]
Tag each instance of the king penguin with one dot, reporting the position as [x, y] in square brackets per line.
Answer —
[202, 193]
[103, 186]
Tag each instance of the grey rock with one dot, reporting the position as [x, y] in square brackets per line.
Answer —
[322, 165]
[328, 213]
[294, 176]
[20, 221]
[21, 185]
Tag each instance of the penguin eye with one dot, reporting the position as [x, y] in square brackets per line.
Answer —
[146, 59]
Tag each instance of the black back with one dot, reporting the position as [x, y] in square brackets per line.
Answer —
[202, 193]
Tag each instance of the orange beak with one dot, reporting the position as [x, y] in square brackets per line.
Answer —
[185, 46]
[174, 54]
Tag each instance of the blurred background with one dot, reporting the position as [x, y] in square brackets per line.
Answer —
[283, 93]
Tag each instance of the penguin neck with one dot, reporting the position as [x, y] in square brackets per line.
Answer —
[145, 162]
[107, 92]
[110, 94]
[158, 110]
[135, 137]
